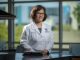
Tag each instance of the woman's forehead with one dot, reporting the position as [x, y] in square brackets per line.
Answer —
[41, 11]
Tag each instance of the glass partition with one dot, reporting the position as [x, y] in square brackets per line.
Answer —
[71, 23]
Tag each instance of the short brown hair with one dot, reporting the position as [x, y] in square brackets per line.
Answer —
[34, 11]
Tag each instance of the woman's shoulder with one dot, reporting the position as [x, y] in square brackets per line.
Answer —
[26, 27]
[47, 26]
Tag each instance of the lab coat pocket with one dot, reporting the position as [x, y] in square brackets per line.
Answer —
[33, 36]
[32, 39]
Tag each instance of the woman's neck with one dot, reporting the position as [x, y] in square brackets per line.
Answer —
[39, 25]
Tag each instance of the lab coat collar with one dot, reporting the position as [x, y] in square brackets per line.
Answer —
[35, 28]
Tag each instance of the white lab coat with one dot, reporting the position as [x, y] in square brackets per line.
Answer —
[31, 37]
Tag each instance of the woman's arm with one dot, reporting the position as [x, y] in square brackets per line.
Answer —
[51, 41]
[25, 40]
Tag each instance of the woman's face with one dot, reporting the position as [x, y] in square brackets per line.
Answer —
[39, 16]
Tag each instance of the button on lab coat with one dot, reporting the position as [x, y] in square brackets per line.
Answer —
[32, 38]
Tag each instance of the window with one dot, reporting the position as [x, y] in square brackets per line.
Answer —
[3, 0]
[3, 29]
[71, 27]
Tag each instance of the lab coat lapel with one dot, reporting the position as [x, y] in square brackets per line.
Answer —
[34, 28]
[43, 29]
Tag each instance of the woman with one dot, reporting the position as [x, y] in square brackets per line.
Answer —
[37, 36]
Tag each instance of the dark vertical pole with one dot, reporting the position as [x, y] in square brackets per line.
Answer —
[10, 25]
[60, 28]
